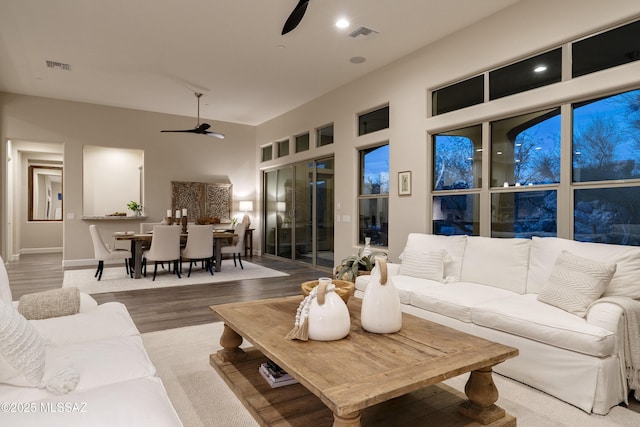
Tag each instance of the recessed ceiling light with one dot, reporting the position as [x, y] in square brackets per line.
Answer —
[342, 23]
[358, 59]
[540, 68]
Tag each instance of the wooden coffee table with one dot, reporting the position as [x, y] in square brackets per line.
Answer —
[382, 379]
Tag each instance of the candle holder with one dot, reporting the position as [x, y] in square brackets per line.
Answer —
[184, 224]
[169, 220]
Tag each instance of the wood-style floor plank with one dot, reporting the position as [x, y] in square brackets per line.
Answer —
[167, 308]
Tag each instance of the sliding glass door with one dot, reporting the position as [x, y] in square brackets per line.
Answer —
[298, 212]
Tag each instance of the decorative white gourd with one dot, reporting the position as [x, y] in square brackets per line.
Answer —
[328, 314]
[381, 311]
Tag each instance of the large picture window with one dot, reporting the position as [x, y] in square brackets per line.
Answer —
[606, 138]
[373, 199]
[525, 150]
[458, 159]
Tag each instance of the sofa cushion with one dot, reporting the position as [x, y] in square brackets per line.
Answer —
[576, 282]
[22, 353]
[108, 320]
[525, 316]
[455, 300]
[99, 363]
[139, 402]
[454, 245]
[423, 263]
[545, 250]
[502, 263]
[407, 285]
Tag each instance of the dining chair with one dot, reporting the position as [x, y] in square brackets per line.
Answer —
[147, 227]
[237, 247]
[165, 247]
[199, 246]
[102, 253]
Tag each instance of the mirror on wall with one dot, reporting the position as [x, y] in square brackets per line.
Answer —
[45, 193]
[111, 178]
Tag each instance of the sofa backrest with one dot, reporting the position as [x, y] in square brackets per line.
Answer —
[501, 263]
[454, 245]
[5, 290]
[545, 251]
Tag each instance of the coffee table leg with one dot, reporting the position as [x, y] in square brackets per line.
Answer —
[482, 394]
[351, 420]
[230, 342]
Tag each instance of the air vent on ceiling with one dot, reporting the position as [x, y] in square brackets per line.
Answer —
[362, 31]
[58, 65]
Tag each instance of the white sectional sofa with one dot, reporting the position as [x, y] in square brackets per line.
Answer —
[108, 378]
[490, 287]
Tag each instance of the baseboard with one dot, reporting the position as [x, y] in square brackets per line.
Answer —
[29, 251]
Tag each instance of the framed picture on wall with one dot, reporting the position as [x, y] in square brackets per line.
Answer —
[404, 183]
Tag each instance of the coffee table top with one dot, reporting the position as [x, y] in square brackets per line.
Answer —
[364, 368]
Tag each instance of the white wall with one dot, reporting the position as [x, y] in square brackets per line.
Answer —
[168, 157]
[522, 30]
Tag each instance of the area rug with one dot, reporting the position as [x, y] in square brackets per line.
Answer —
[201, 398]
[115, 279]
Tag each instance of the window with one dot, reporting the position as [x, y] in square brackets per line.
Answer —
[523, 213]
[373, 199]
[458, 159]
[609, 49]
[606, 160]
[324, 136]
[458, 214]
[302, 143]
[606, 138]
[607, 215]
[541, 70]
[267, 153]
[373, 121]
[525, 150]
[283, 148]
[456, 96]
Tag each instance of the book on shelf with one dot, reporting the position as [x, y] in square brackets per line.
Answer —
[275, 376]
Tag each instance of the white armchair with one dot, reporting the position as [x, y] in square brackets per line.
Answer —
[238, 246]
[199, 246]
[165, 247]
[102, 253]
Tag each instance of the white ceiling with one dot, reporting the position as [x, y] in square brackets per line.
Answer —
[153, 54]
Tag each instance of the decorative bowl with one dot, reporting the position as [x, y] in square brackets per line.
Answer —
[344, 288]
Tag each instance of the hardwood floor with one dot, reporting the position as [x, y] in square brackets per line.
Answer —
[167, 308]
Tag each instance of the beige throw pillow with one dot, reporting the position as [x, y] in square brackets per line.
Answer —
[422, 264]
[576, 282]
[53, 303]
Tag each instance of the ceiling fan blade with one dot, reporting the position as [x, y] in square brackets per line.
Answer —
[182, 130]
[203, 127]
[295, 17]
[215, 134]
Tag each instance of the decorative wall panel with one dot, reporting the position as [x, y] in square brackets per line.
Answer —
[202, 199]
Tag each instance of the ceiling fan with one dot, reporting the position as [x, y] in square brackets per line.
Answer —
[200, 128]
[295, 17]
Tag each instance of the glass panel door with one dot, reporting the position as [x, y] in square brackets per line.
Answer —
[298, 213]
[324, 217]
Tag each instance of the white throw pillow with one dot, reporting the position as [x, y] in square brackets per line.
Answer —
[454, 245]
[422, 264]
[576, 282]
[22, 352]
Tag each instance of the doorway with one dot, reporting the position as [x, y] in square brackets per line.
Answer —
[299, 212]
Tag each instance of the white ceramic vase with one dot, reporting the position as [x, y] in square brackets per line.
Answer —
[381, 311]
[328, 314]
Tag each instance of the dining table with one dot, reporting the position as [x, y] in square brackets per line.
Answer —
[141, 240]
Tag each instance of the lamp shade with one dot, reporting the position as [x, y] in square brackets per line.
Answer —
[281, 206]
[246, 206]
